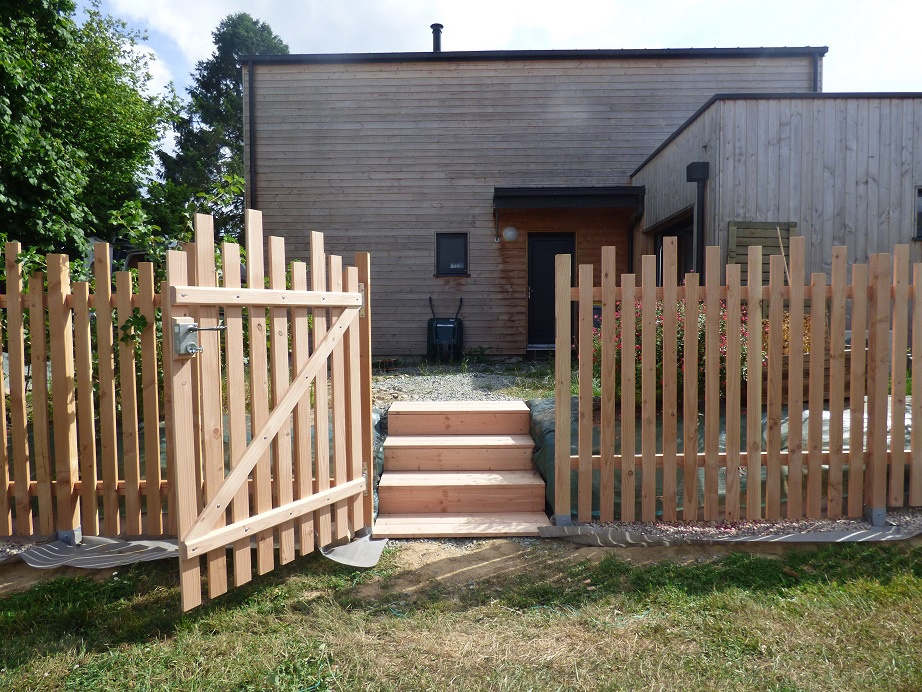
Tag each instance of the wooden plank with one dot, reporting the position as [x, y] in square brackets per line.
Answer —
[754, 390]
[321, 394]
[562, 368]
[797, 270]
[628, 403]
[259, 384]
[180, 373]
[211, 385]
[856, 390]
[836, 382]
[86, 410]
[303, 461]
[363, 262]
[282, 464]
[915, 470]
[875, 490]
[690, 408]
[38, 340]
[648, 405]
[813, 506]
[269, 298]
[734, 381]
[196, 440]
[773, 430]
[460, 525]
[899, 337]
[105, 349]
[6, 513]
[150, 367]
[19, 433]
[63, 393]
[128, 395]
[584, 419]
[236, 405]
[670, 378]
[338, 408]
[352, 353]
[607, 432]
[712, 338]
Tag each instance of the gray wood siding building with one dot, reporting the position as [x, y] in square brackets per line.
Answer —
[845, 168]
[382, 152]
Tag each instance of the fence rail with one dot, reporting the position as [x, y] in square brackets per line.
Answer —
[716, 342]
[81, 447]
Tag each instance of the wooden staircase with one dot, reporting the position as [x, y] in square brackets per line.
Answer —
[459, 469]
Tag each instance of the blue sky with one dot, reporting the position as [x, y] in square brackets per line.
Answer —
[872, 46]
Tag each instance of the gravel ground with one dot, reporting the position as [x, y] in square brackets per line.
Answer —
[477, 383]
[10, 548]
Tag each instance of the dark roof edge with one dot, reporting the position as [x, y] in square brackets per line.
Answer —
[766, 96]
[489, 55]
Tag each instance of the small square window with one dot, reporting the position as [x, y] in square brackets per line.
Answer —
[451, 254]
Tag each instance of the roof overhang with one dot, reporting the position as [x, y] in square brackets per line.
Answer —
[616, 196]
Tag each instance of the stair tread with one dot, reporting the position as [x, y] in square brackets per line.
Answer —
[459, 525]
[458, 478]
[458, 406]
[475, 441]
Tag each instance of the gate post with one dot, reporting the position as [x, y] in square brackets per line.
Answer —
[363, 263]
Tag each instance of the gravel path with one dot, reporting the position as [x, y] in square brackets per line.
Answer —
[441, 384]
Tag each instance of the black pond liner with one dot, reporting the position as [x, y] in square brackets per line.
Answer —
[543, 432]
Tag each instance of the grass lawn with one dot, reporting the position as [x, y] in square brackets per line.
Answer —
[500, 615]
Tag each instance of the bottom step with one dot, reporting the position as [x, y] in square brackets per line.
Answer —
[459, 525]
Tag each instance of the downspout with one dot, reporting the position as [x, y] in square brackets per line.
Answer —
[250, 202]
[698, 172]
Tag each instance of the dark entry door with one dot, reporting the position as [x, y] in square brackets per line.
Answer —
[542, 248]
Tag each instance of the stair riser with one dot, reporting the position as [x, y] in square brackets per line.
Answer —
[434, 459]
[396, 500]
[458, 423]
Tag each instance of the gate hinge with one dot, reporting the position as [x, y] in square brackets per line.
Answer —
[362, 291]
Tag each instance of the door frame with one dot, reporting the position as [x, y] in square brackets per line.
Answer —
[570, 235]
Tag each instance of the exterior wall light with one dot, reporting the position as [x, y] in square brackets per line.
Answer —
[510, 234]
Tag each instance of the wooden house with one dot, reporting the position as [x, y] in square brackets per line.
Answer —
[839, 169]
[465, 173]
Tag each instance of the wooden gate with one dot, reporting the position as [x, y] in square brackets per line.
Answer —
[254, 463]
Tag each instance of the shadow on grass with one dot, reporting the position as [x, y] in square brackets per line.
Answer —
[141, 604]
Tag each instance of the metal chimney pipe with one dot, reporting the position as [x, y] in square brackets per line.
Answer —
[436, 37]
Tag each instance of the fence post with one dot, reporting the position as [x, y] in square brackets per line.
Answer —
[61, 327]
[875, 487]
[563, 309]
[363, 262]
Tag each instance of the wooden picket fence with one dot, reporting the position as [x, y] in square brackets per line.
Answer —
[71, 454]
[827, 477]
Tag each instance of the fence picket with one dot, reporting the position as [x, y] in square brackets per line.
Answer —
[875, 492]
[303, 461]
[670, 377]
[690, 407]
[38, 342]
[562, 340]
[363, 263]
[836, 382]
[734, 380]
[150, 367]
[816, 380]
[236, 405]
[795, 378]
[648, 388]
[773, 429]
[915, 470]
[754, 386]
[6, 513]
[131, 462]
[711, 380]
[899, 336]
[353, 376]
[105, 350]
[584, 420]
[856, 391]
[19, 433]
[607, 433]
[86, 410]
[338, 409]
[323, 516]
[628, 407]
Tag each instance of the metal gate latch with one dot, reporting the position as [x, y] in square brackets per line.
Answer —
[185, 336]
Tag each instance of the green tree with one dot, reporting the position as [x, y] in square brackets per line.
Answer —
[209, 137]
[77, 126]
